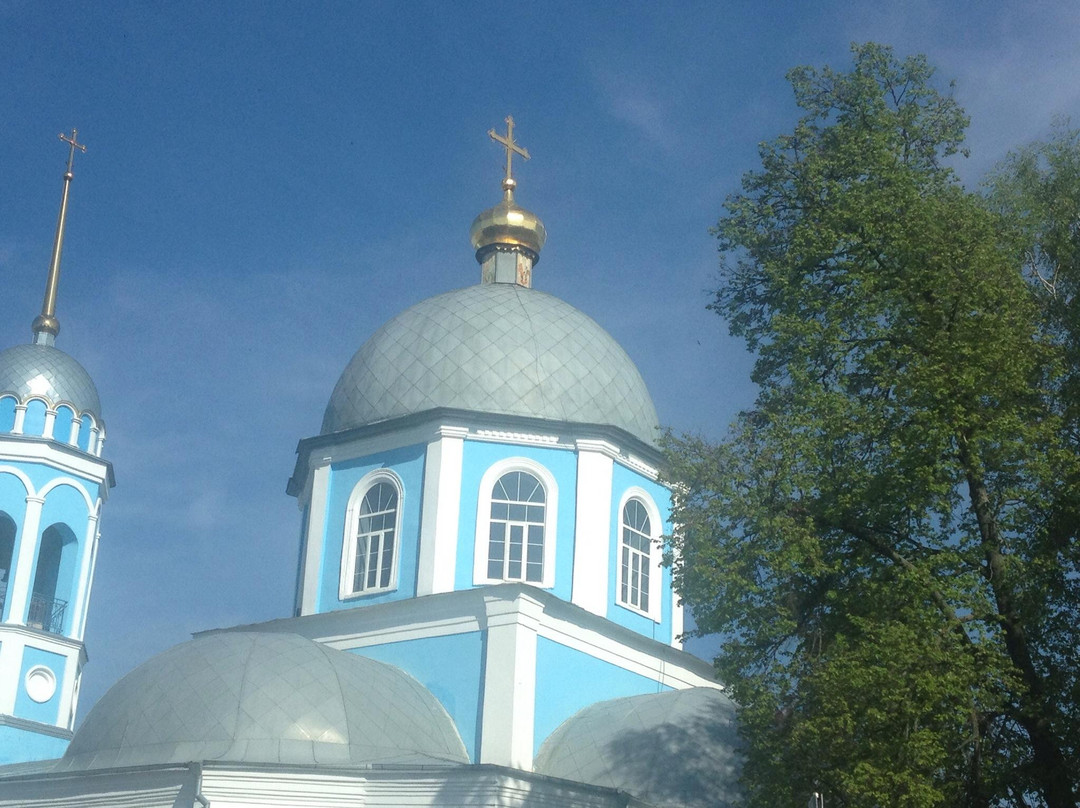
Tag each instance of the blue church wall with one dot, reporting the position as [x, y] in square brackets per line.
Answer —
[7, 413]
[20, 745]
[65, 416]
[46, 712]
[478, 457]
[622, 480]
[408, 464]
[450, 667]
[34, 420]
[568, 681]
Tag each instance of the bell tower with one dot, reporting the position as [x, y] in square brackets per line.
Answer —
[53, 482]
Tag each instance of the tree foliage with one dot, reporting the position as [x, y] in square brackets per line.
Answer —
[886, 543]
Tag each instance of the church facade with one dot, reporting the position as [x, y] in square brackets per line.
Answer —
[482, 615]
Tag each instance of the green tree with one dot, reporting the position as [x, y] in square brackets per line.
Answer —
[886, 542]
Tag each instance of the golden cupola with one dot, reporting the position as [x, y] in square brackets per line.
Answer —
[507, 238]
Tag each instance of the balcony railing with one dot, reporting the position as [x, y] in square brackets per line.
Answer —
[46, 614]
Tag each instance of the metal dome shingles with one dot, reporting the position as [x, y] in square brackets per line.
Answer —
[677, 749]
[494, 348]
[67, 379]
[264, 698]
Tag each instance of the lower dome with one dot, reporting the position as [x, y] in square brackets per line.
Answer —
[250, 697]
[677, 748]
[494, 348]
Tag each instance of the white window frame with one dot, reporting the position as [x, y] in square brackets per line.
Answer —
[352, 525]
[656, 554]
[483, 519]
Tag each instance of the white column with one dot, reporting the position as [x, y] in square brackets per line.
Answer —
[20, 419]
[19, 593]
[440, 517]
[315, 538]
[82, 593]
[76, 425]
[509, 698]
[592, 528]
[50, 423]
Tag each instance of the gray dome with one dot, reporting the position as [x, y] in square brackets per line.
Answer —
[250, 697]
[496, 348]
[678, 748]
[47, 371]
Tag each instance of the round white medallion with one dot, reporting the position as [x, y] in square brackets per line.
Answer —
[40, 683]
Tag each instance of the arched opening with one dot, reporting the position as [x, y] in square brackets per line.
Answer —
[34, 420]
[86, 423]
[65, 417]
[7, 550]
[7, 413]
[53, 576]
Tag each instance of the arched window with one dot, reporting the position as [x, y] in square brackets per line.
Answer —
[369, 557]
[516, 515]
[640, 555]
[635, 556]
[516, 529]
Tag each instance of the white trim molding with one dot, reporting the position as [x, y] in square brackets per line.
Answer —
[483, 519]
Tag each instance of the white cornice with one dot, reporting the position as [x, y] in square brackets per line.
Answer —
[66, 460]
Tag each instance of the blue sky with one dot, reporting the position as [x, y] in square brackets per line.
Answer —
[267, 183]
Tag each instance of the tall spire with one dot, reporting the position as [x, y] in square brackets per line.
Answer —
[507, 238]
[46, 326]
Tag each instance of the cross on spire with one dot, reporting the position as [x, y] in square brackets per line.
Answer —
[511, 147]
[45, 325]
[74, 144]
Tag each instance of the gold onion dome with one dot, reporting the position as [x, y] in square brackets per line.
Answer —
[507, 227]
[510, 225]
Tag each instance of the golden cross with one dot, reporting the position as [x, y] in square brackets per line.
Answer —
[74, 145]
[510, 145]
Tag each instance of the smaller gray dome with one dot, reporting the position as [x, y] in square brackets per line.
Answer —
[47, 371]
[677, 749]
[250, 697]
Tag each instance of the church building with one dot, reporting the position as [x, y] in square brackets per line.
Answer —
[482, 616]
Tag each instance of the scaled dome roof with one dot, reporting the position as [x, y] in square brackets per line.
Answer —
[37, 369]
[494, 348]
[251, 697]
[677, 748]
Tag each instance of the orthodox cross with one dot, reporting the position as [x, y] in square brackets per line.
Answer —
[511, 147]
[71, 141]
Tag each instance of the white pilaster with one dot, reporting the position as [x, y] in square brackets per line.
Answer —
[592, 529]
[82, 591]
[509, 698]
[441, 512]
[316, 538]
[19, 593]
